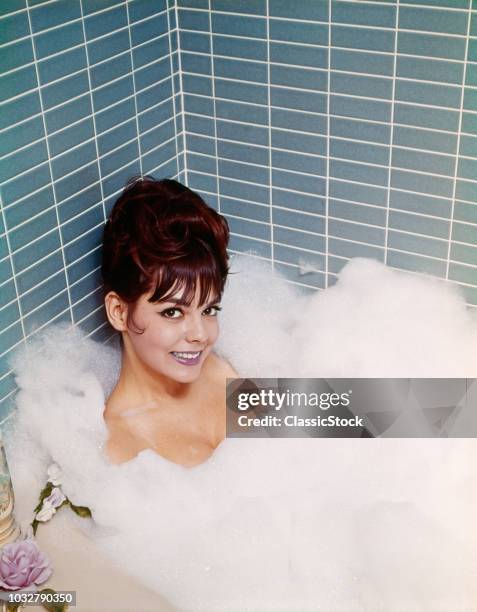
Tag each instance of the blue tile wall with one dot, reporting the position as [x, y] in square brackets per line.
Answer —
[89, 96]
[322, 129]
[330, 129]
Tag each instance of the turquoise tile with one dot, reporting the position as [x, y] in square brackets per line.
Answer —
[199, 4]
[239, 47]
[198, 64]
[302, 183]
[107, 119]
[252, 193]
[23, 160]
[301, 121]
[50, 265]
[472, 50]
[282, 53]
[58, 118]
[21, 135]
[250, 134]
[362, 38]
[457, 4]
[296, 257]
[46, 313]
[432, 20]
[355, 85]
[306, 143]
[417, 244]
[354, 231]
[467, 168]
[471, 75]
[298, 77]
[92, 6]
[16, 55]
[376, 110]
[347, 249]
[241, 152]
[158, 135]
[155, 95]
[241, 112]
[119, 158]
[298, 100]
[312, 10]
[154, 116]
[117, 136]
[69, 35]
[197, 104]
[464, 211]
[243, 172]
[367, 194]
[29, 207]
[416, 263]
[255, 27]
[358, 151]
[140, 9]
[14, 27]
[238, 69]
[98, 25]
[463, 274]
[436, 228]
[100, 50]
[148, 53]
[363, 13]
[439, 119]
[54, 14]
[198, 84]
[299, 221]
[246, 92]
[465, 233]
[18, 82]
[193, 20]
[430, 45]
[199, 125]
[360, 130]
[257, 7]
[9, 6]
[150, 75]
[80, 202]
[424, 139]
[40, 294]
[423, 162]
[466, 191]
[63, 91]
[201, 144]
[298, 162]
[110, 70]
[468, 145]
[152, 28]
[292, 31]
[84, 223]
[196, 41]
[11, 313]
[86, 285]
[298, 201]
[422, 183]
[465, 254]
[470, 99]
[357, 212]
[473, 24]
[469, 293]
[62, 65]
[74, 135]
[69, 186]
[359, 61]
[32, 254]
[430, 70]
[250, 229]
[84, 245]
[72, 160]
[428, 93]
[239, 244]
[361, 173]
[22, 186]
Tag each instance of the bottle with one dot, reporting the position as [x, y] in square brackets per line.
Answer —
[9, 530]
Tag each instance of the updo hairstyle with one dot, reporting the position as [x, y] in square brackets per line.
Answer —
[162, 237]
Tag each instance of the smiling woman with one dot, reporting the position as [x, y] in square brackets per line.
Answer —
[165, 264]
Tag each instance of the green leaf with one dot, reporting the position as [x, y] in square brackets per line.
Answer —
[82, 511]
[34, 525]
[53, 607]
[46, 491]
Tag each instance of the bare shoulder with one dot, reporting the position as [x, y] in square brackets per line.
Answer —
[221, 367]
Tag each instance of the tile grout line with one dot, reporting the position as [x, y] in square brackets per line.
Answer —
[182, 100]
[212, 68]
[133, 72]
[270, 157]
[173, 89]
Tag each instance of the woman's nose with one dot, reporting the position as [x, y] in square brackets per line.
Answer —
[196, 331]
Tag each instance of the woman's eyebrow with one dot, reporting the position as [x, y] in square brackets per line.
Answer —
[180, 302]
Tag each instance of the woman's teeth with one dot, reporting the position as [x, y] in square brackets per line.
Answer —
[187, 355]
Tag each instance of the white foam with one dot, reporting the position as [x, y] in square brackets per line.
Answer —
[275, 524]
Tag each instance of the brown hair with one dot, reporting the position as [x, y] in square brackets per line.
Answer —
[161, 236]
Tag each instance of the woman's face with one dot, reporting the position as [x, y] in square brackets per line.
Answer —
[177, 339]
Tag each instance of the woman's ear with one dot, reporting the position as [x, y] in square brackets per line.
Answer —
[116, 311]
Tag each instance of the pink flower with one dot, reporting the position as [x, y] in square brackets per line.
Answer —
[23, 564]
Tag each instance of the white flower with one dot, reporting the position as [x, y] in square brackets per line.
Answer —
[55, 498]
[26, 530]
[46, 512]
[55, 474]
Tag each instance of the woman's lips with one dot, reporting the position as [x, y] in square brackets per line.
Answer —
[187, 360]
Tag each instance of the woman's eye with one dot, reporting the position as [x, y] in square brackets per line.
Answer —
[171, 312]
[213, 310]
